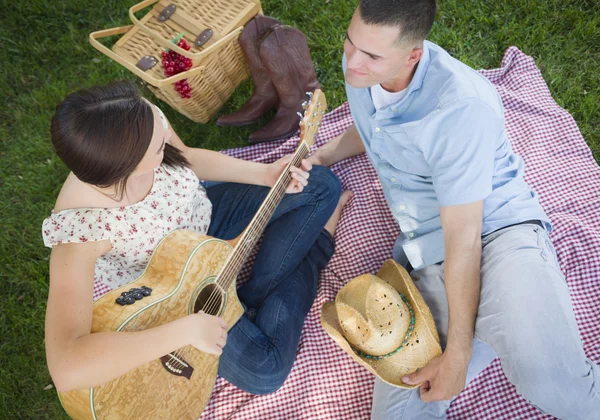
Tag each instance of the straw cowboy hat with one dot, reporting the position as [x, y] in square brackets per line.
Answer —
[384, 324]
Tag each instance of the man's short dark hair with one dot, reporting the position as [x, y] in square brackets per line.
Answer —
[414, 18]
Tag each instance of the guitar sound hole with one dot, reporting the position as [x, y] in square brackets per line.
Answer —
[209, 300]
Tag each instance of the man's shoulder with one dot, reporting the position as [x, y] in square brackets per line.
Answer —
[454, 81]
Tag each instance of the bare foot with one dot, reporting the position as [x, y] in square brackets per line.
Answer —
[335, 217]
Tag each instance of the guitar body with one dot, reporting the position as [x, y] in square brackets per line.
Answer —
[181, 274]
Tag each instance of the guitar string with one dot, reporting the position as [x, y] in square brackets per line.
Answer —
[256, 227]
[240, 256]
[301, 152]
[213, 302]
[229, 272]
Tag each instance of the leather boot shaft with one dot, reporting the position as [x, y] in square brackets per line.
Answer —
[264, 96]
[286, 57]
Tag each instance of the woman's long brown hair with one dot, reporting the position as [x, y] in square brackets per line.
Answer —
[102, 134]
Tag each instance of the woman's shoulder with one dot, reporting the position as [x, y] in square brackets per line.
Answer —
[177, 178]
[79, 215]
[76, 194]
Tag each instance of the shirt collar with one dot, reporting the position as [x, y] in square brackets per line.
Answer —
[414, 85]
[417, 80]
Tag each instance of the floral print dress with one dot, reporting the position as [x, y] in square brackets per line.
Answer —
[176, 201]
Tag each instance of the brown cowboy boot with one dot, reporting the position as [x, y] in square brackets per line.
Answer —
[286, 57]
[264, 97]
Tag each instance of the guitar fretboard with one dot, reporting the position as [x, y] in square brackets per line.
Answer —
[256, 227]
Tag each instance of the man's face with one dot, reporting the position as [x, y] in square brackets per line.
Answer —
[374, 56]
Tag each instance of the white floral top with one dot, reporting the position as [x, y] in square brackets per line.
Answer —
[176, 201]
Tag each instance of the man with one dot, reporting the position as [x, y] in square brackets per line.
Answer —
[473, 233]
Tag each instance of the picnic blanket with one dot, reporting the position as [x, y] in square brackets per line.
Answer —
[325, 383]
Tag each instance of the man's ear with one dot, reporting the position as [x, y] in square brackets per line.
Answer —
[415, 55]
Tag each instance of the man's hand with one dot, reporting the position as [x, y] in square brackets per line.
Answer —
[443, 378]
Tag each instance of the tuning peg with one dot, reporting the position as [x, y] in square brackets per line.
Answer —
[300, 115]
[304, 104]
[309, 94]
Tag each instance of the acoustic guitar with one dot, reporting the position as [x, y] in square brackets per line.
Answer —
[187, 272]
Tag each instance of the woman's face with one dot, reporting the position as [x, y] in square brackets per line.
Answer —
[161, 135]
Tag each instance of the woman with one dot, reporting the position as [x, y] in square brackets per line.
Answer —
[133, 181]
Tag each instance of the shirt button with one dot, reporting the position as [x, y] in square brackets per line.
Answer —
[411, 235]
[402, 207]
[393, 179]
[377, 129]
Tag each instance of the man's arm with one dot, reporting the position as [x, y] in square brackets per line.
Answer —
[345, 145]
[462, 244]
[444, 377]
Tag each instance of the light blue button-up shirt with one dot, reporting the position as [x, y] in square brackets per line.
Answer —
[442, 144]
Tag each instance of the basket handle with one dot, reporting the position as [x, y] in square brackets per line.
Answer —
[94, 36]
[168, 44]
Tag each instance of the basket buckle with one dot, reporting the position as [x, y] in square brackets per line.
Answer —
[204, 36]
[146, 63]
[167, 12]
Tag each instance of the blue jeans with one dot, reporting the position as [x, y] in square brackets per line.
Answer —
[525, 318]
[261, 347]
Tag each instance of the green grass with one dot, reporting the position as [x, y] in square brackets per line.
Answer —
[44, 54]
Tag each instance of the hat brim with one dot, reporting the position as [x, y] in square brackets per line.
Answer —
[423, 346]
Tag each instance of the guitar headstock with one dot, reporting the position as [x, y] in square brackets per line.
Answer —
[314, 109]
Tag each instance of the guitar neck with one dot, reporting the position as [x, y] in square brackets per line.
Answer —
[258, 224]
[309, 126]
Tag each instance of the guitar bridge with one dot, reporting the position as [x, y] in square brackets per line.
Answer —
[129, 298]
[176, 365]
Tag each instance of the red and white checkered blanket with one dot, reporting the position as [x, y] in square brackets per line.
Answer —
[325, 383]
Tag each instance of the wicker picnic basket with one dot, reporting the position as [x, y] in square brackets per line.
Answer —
[219, 65]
